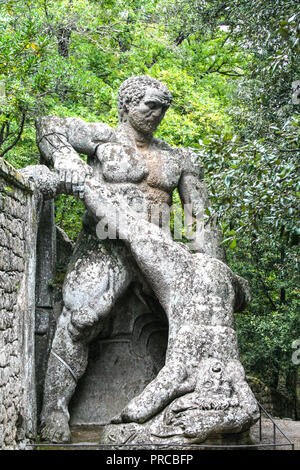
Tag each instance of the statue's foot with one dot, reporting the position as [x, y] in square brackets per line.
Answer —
[56, 428]
[116, 419]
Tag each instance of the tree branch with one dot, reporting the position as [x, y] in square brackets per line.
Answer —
[180, 38]
[267, 293]
[17, 137]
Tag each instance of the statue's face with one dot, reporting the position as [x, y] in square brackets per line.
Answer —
[146, 116]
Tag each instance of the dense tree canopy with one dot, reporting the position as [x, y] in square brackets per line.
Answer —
[233, 69]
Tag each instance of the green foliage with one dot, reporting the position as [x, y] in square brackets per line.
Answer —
[271, 323]
[68, 215]
[266, 345]
[259, 185]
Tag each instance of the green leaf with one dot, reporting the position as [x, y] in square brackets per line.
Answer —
[233, 244]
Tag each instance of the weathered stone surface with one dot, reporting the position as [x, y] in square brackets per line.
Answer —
[201, 389]
[45, 269]
[131, 349]
[48, 184]
[17, 272]
[64, 248]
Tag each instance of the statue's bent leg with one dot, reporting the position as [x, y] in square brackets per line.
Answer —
[67, 362]
[97, 277]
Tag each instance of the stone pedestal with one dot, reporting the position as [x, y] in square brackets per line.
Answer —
[110, 434]
[45, 268]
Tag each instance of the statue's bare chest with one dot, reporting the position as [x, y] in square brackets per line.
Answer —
[125, 164]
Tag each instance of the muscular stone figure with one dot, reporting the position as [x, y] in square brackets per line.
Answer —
[143, 171]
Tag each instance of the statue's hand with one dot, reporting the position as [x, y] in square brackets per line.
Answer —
[45, 180]
[72, 175]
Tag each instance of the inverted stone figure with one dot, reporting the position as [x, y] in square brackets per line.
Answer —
[132, 166]
[201, 391]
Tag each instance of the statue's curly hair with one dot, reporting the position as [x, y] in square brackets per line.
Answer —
[134, 88]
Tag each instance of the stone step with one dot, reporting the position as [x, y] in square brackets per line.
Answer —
[89, 438]
[83, 438]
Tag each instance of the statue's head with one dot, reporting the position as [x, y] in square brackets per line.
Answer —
[142, 102]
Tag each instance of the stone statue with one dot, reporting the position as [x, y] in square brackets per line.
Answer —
[201, 390]
[198, 292]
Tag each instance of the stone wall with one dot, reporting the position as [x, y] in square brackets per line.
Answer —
[17, 292]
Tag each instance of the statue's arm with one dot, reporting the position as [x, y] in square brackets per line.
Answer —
[60, 140]
[194, 197]
[192, 188]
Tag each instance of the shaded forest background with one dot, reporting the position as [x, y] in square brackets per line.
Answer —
[233, 70]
